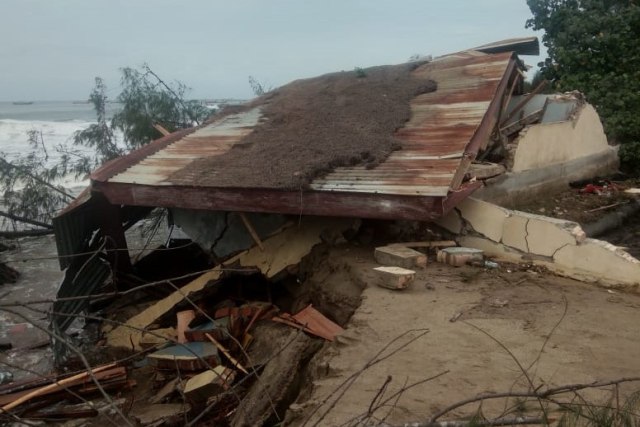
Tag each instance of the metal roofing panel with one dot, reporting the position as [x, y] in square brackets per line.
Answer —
[446, 130]
[442, 124]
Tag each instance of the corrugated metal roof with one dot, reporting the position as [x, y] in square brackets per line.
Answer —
[446, 130]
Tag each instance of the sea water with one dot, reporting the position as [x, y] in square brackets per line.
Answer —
[56, 121]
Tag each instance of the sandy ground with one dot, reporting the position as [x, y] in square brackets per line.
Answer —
[596, 339]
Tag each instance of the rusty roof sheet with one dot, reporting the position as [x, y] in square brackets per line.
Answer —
[447, 129]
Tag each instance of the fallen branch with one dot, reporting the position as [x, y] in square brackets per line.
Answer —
[542, 395]
[601, 208]
[35, 178]
[224, 351]
[14, 217]
[25, 233]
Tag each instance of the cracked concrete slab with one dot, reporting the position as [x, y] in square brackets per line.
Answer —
[485, 218]
[514, 233]
[596, 260]
[557, 244]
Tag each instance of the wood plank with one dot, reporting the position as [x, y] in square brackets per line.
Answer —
[282, 250]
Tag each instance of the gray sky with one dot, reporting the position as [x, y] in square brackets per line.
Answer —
[52, 49]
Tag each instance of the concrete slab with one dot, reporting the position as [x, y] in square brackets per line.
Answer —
[485, 218]
[546, 236]
[396, 278]
[514, 233]
[596, 260]
[400, 256]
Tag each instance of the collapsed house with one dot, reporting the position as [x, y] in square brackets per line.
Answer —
[471, 130]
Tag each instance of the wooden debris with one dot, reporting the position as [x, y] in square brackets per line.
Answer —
[209, 383]
[520, 124]
[394, 277]
[216, 329]
[485, 170]
[280, 251]
[251, 230]
[183, 319]
[191, 356]
[601, 208]
[157, 337]
[101, 373]
[460, 256]
[400, 256]
[224, 351]
[166, 391]
[169, 413]
[313, 322]
[64, 412]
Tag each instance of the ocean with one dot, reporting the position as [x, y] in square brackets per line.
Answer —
[56, 120]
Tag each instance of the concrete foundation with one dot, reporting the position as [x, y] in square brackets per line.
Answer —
[559, 245]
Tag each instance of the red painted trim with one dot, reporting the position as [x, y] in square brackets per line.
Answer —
[322, 203]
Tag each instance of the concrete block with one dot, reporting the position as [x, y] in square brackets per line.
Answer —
[394, 277]
[515, 233]
[595, 260]
[400, 256]
[485, 218]
[491, 248]
[451, 222]
[460, 256]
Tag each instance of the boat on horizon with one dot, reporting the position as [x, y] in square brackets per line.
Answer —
[23, 103]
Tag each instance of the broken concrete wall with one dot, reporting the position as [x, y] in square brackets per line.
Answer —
[224, 233]
[561, 246]
[547, 156]
[545, 144]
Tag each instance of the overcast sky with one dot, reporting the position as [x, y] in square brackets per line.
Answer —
[53, 49]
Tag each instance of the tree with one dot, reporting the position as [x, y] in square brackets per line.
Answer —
[593, 47]
[29, 193]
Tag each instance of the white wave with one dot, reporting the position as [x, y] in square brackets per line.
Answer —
[14, 141]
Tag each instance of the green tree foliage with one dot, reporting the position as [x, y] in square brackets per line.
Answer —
[593, 47]
[147, 100]
[27, 184]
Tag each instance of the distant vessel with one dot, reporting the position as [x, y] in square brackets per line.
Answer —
[23, 103]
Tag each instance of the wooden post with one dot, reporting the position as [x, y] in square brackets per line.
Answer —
[251, 231]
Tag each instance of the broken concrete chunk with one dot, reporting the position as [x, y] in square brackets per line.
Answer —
[460, 256]
[209, 383]
[394, 277]
[191, 356]
[400, 256]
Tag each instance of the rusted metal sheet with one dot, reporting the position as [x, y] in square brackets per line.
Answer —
[447, 129]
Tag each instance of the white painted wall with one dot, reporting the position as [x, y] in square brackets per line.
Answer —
[545, 144]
